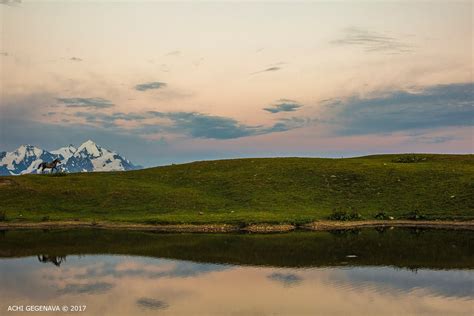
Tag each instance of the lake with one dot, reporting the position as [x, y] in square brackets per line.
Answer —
[347, 272]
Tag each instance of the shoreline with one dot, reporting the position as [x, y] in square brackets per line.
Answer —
[251, 228]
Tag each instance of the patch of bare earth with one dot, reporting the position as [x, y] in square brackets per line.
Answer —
[268, 228]
[227, 228]
[6, 182]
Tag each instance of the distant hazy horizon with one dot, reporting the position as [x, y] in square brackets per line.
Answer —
[165, 83]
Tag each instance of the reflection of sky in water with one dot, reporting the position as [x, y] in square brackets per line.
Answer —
[123, 285]
[146, 269]
[456, 283]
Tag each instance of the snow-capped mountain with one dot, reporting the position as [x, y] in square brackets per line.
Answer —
[25, 159]
[65, 152]
[88, 157]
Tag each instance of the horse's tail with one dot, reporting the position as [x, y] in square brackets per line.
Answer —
[40, 165]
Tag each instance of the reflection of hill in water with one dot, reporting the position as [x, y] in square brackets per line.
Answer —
[405, 248]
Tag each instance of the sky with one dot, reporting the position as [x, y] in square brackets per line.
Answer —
[169, 82]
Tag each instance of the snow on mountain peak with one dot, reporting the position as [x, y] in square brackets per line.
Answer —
[89, 147]
[89, 142]
[65, 152]
[87, 157]
[21, 154]
[28, 150]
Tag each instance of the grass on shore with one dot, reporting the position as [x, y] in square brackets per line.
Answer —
[243, 191]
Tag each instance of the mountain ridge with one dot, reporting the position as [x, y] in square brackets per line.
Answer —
[88, 157]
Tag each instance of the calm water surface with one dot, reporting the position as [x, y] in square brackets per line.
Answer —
[395, 272]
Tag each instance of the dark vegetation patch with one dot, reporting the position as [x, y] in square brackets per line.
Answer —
[382, 216]
[344, 216]
[416, 216]
[410, 158]
[57, 174]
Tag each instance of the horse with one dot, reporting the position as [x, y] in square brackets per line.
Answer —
[49, 165]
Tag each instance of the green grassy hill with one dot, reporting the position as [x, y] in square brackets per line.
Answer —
[284, 190]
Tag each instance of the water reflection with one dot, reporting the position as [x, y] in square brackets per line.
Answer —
[363, 284]
[56, 260]
[122, 285]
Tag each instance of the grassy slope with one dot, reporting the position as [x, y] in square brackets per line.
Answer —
[250, 190]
